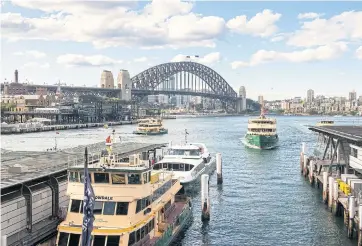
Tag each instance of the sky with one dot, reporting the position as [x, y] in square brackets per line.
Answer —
[275, 49]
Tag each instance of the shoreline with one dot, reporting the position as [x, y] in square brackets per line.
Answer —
[18, 129]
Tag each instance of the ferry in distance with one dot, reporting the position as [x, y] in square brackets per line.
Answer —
[150, 126]
[133, 204]
[262, 132]
[187, 161]
[325, 123]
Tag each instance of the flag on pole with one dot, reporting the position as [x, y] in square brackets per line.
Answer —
[88, 205]
[108, 139]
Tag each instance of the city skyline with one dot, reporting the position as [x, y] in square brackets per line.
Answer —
[265, 47]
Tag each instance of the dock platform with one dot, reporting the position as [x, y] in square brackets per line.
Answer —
[338, 172]
[33, 188]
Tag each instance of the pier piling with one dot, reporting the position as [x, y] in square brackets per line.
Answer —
[351, 214]
[311, 172]
[330, 191]
[325, 187]
[205, 200]
[4, 240]
[360, 225]
[219, 168]
[305, 161]
[335, 206]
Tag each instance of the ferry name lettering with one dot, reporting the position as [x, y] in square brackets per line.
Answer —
[104, 198]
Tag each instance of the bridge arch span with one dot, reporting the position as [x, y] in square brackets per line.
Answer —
[154, 76]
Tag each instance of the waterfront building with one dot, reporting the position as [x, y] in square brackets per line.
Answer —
[261, 100]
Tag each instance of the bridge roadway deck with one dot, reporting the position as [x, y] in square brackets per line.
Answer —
[40, 164]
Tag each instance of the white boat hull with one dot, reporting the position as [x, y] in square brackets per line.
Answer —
[209, 168]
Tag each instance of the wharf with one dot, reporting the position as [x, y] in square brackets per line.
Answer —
[28, 127]
[33, 186]
[339, 172]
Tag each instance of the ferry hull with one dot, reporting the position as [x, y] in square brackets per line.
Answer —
[193, 184]
[262, 142]
[161, 132]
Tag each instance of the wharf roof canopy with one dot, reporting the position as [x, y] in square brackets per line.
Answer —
[350, 133]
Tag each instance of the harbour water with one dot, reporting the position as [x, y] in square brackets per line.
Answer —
[263, 200]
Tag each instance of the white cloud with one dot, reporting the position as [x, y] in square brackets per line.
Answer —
[262, 24]
[72, 60]
[359, 53]
[140, 59]
[309, 15]
[321, 53]
[161, 23]
[209, 59]
[31, 53]
[343, 27]
[36, 65]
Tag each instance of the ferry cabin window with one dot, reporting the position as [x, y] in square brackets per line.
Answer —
[81, 177]
[118, 179]
[145, 179]
[75, 206]
[99, 240]
[134, 178]
[63, 239]
[73, 177]
[139, 234]
[122, 208]
[112, 241]
[74, 240]
[132, 238]
[98, 206]
[101, 178]
[109, 208]
[354, 152]
[142, 204]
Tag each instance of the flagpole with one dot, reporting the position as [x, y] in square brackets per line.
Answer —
[88, 205]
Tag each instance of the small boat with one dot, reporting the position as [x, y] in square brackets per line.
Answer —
[262, 132]
[187, 161]
[325, 123]
[133, 205]
[150, 126]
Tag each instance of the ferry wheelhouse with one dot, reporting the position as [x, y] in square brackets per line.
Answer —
[133, 205]
[150, 126]
[262, 133]
[187, 162]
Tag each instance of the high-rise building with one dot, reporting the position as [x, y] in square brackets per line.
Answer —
[352, 95]
[107, 80]
[242, 94]
[16, 75]
[310, 96]
[261, 100]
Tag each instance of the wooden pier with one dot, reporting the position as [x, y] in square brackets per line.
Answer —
[338, 171]
[33, 188]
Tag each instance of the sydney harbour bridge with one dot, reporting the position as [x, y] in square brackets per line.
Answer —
[173, 78]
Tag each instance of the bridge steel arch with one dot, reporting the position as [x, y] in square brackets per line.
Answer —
[152, 77]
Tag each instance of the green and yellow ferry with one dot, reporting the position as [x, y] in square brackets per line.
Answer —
[150, 126]
[262, 133]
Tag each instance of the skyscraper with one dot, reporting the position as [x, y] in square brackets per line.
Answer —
[261, 100]
[242, 94]
[310, 96]
[352, 96]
